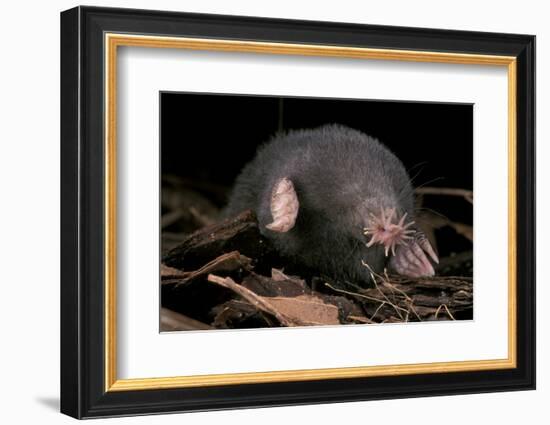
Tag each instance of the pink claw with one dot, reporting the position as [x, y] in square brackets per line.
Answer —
[411, 260]
[426, 246]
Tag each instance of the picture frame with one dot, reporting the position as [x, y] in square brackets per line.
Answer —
[91, 37]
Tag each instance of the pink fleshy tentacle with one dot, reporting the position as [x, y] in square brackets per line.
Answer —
[384, 232]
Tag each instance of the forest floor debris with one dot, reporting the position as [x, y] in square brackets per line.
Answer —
[227, 275]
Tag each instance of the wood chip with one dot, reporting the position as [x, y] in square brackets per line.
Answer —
[240, 233]
[302, 310]
[306, 310]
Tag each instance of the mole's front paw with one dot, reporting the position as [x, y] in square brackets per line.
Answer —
[410, 259]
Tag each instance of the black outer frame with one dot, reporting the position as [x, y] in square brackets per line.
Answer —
[82, 217]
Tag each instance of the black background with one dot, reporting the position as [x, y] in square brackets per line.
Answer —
[210, 137]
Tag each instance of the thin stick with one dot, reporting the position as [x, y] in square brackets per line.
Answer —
[397, 308]
[468, 195]
[446, 308]
[361, 319]
[378, 309]
[170, 218]
[411, 305]
[372, 274]
[343, 291]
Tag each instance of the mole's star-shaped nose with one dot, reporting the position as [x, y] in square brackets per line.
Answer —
[384, 232]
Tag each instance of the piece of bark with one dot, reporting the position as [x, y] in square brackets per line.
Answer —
[434, 298]
[256, 300]
[240, 233]
[170, 272]
[290, 289]
[306, 310]
[172, 321]
[225, 263]
[302, 310]
[278, 275]
[235, 314]
[285, 286]
[194, 298]
[282, 285]
[347, 308]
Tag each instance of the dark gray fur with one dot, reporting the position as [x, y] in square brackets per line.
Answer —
[340, 176]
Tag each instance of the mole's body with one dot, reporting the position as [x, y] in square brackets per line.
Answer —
[332, 198]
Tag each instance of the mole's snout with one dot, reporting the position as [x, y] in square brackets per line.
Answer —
[388, 232]
[407, 245]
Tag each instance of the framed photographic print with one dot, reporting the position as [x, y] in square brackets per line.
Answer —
[261, 212]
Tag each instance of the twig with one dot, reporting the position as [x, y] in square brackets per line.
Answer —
[343, 291]
[224, 263]
[468, 195]
[397, 308]
[361, 319]
[377, 310]
[372, 275]
[170, 218]
[199, 217]
[387, 283]
[446, 308]
[411, 306]
[387, 301]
